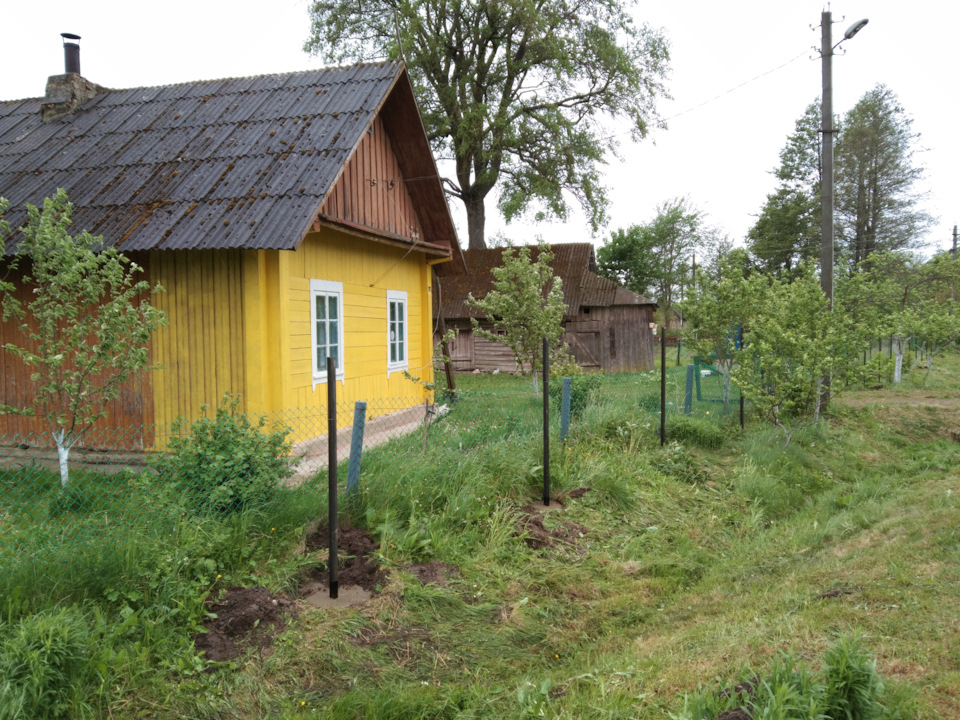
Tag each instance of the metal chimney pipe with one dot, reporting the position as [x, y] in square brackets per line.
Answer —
[71, 53]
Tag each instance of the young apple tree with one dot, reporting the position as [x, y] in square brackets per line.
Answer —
[526, 303]
[86, 329]
[717, 313]
[794, 341]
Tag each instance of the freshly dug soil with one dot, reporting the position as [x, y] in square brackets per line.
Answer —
[245, 618]
[358, 564]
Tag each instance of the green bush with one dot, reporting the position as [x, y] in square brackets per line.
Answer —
[43, 661]
[227, 463]
[582, 389]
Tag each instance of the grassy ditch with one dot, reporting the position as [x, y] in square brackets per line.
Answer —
[720, 566]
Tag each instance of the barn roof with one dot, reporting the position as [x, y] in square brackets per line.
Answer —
[237, 163]
[574, 263]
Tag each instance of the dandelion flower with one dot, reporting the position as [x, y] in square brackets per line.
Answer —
[219, 576]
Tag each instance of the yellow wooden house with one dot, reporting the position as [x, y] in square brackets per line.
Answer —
[288, 217]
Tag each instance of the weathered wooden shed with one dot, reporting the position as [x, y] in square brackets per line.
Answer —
[607, 327]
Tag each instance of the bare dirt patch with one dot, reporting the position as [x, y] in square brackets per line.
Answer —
[358, 563]
[245, 618]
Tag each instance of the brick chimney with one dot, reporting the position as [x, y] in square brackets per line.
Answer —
[66, 93]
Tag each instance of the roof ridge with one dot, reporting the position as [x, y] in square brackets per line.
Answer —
[163, 86]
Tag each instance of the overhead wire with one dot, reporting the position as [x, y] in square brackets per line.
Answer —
[679, 114]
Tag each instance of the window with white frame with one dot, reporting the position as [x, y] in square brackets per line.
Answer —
[326, 327]
[397, 338]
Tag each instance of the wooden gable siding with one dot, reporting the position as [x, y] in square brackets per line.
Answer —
[371, 192]
[201, 349]
[129, 420]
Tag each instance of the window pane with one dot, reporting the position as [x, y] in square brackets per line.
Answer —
[333, 308]
[321, 307]
[321, 333]
[401, 351]
[393, 312]
[335, 354]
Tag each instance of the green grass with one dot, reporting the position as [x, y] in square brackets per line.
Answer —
[701, 563]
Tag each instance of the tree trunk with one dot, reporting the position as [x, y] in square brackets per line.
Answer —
[476, 218]
[898, 348]
[63, 455]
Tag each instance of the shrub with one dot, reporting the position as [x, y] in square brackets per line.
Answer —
[583, 386]
[227, 463]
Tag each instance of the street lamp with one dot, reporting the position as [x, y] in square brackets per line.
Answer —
[826, 127]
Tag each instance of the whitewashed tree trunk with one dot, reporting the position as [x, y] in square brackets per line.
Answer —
[63, 455]
[898, 349]
[816, 408]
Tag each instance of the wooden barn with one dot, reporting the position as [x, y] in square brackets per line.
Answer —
[606, 327]
[289, 217]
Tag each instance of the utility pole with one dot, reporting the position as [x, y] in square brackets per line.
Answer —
[826, 130]
[953, 292]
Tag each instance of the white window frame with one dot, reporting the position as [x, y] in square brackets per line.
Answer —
[326, 288]
[395, 296]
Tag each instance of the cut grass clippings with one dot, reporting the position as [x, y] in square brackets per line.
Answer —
[684, 570]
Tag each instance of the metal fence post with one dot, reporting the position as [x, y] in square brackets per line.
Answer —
[356, 446]
[565, 409]
[332, 471]
[688, 395]
[546, 422]
[663, 386]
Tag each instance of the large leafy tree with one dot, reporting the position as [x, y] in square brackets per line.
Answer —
[876, 195]
[511, 91]
[655, 256]
[86, 329]
[787, 232]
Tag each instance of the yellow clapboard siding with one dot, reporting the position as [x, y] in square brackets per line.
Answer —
[201, 348]
[367, 271]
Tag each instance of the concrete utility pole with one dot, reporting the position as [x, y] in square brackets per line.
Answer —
[826, 129]
[826, 152]
[953, 292]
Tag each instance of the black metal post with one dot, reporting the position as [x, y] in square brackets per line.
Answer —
[332, 472]
[546, 423]
[663, 386]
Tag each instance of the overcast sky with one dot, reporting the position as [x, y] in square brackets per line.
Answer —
[742, 73]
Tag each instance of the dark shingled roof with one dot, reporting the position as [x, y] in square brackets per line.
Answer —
[237, 163]
[574, 263]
